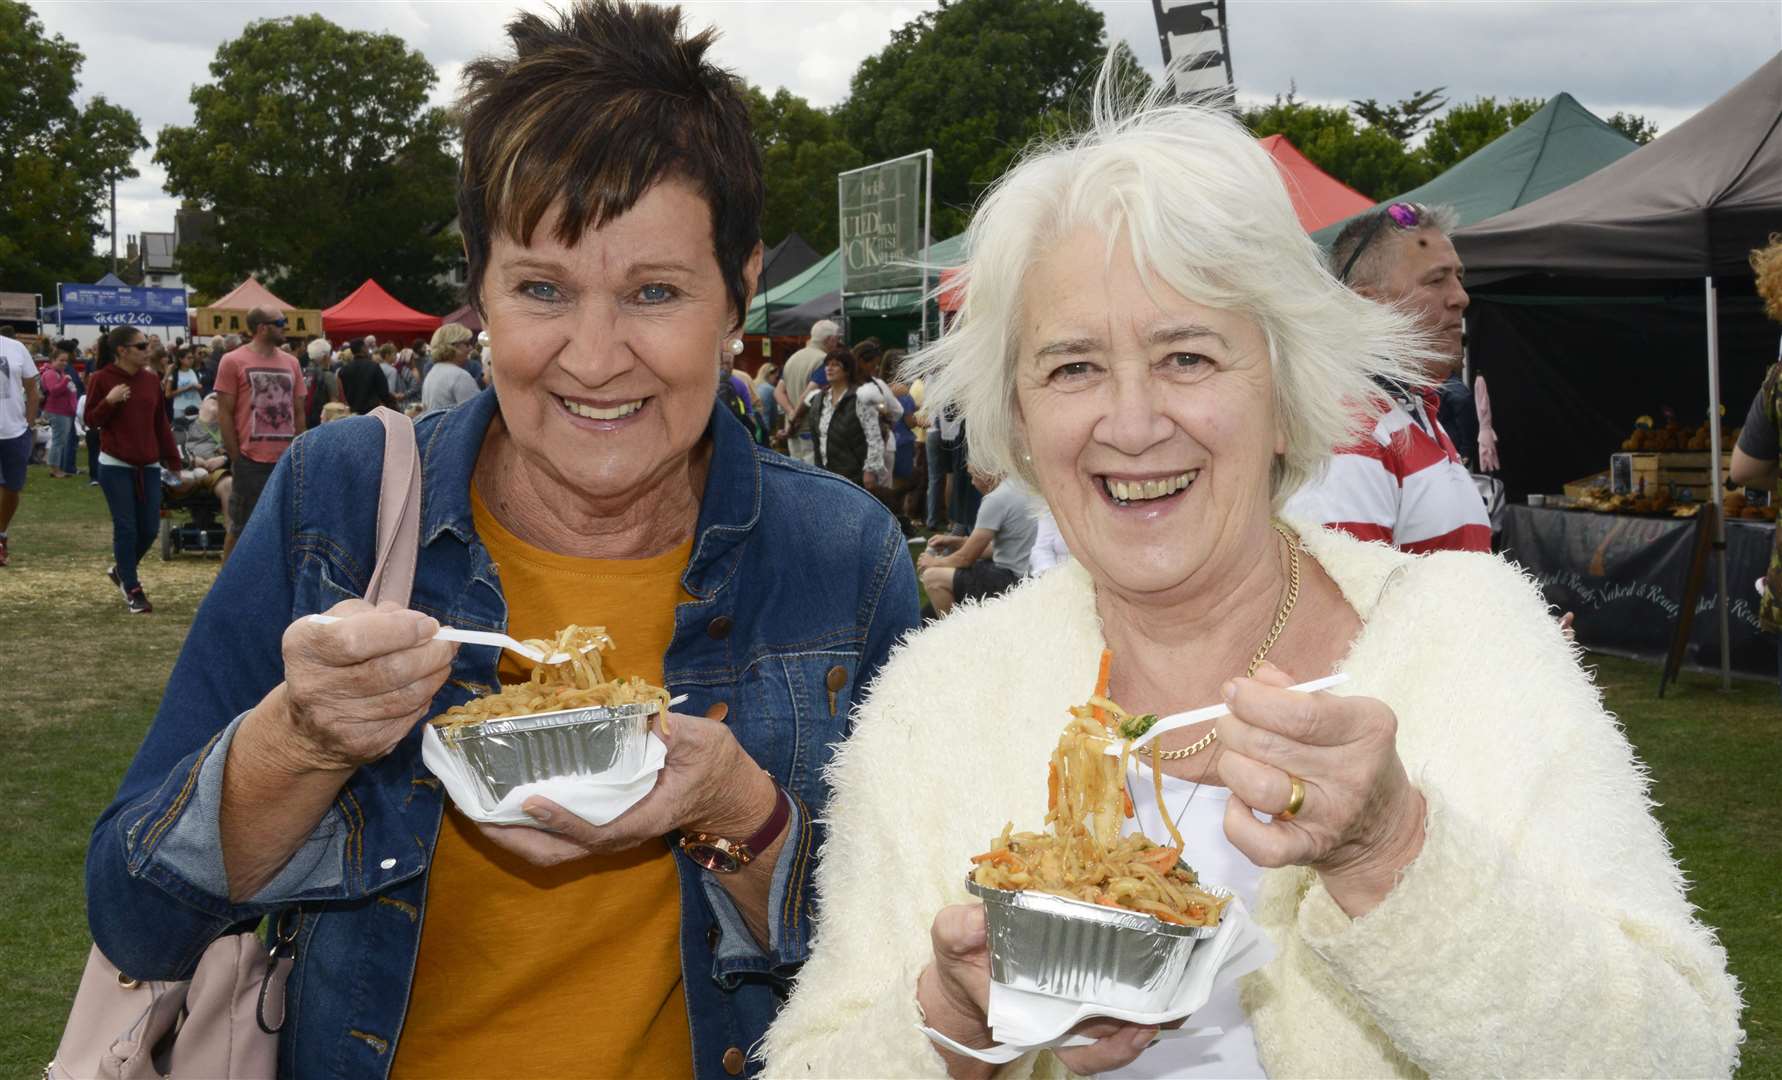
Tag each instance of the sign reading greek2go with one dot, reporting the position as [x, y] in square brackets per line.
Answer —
[122, 305]
[881, 225]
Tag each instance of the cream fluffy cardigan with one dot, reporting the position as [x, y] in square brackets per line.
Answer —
[1543, 931]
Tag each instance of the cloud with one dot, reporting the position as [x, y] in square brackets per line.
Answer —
[1664, 59]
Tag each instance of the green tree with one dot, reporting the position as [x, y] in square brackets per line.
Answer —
[1402, 119]
[315, 147]
[1466, 128]
[802, 148]
[975, 80]
[1634, 126]
[58, 158]
[1369, 159]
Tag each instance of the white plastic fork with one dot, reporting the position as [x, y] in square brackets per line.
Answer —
[478, 637]
[1212, 712]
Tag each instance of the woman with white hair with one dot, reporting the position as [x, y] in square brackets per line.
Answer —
[1453, 856]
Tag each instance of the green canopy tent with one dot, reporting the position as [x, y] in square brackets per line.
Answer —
[822, 276]
[816, 294]
[1557, 146]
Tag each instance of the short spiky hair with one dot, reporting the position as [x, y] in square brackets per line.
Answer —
[594, 108]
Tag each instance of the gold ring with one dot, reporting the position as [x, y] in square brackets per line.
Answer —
[1295, 800]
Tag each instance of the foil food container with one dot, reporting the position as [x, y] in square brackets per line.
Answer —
[501, 755]
[1086, 952]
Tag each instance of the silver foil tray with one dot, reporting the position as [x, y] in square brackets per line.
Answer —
[1086, 952]
[516, 750]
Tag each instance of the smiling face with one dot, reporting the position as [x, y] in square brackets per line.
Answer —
[608, 348]
[1422, 277]
[1150, 420]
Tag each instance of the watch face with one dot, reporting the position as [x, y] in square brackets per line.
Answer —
[711, 856]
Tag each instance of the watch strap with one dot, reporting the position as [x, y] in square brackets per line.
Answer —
[775, 824]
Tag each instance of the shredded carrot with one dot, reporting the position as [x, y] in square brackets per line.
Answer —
[1126, 799]
[1161, 858]
[1051, 787]
[1000, 857]
[1101, 685]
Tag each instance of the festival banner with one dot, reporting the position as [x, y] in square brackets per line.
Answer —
[122, 305]
[1626, 579]
[883, 219]
[299, 322]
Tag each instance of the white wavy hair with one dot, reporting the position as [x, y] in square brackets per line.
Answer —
[1206, 213]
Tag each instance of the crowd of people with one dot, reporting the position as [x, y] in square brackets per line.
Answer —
[231, 406]
[1161, 438]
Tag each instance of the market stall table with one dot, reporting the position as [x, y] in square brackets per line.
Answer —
[1626, 577]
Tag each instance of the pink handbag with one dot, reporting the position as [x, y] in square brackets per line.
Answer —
[224, 1021]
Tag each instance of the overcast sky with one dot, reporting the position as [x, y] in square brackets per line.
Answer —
[1664, 60]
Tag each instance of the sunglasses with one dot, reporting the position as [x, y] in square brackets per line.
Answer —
[1401, 214]
[280, 323]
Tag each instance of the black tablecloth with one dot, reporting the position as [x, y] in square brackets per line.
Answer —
[1625, 577]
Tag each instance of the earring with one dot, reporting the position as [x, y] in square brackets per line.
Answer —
[736, 346]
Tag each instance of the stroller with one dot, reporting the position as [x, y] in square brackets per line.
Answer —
[193, 521]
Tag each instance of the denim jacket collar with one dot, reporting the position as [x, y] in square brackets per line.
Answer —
[729, 510]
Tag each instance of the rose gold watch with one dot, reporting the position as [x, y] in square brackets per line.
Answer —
[722, 856]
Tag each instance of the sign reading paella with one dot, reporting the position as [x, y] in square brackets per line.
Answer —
[299, 322]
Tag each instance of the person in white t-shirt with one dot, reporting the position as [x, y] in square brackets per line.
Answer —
[20, 397]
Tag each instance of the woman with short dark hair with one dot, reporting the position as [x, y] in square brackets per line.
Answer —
[834, 420]
[610, 201]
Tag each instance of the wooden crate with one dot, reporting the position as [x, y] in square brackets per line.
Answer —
[1672, 468]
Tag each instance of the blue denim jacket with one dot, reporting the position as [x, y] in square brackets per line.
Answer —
[794, 572]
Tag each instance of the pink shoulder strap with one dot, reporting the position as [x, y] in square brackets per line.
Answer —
[398, 511]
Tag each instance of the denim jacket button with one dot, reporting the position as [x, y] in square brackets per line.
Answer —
[388, 864]
[719, 628]
[713, 935]
[733, 1061]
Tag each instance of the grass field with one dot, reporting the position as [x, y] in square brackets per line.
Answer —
[80, 678]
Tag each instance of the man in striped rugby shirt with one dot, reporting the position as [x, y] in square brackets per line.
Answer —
[1403, 482]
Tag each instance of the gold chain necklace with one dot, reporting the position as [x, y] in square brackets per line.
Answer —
[1288, 599]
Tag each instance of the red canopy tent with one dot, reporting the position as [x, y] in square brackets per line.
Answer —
[466, 316]
[371, 310]
[1318, 197]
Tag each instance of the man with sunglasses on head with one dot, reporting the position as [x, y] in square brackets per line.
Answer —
[260, 392]
[1403, 482]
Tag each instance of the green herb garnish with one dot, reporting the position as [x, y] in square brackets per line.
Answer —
[1134, 727]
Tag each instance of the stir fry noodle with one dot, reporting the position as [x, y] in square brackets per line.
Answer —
[1082, 855]
[577, 683]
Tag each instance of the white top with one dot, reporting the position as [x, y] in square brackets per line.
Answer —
[15, 368]
[1048, 544]
[1200, 813]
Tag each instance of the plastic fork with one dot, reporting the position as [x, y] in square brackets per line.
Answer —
[478, 637]
[1212, 712]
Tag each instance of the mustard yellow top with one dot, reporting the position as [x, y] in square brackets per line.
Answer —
[573, 970]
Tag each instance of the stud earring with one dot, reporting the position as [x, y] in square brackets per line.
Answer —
[736, 346]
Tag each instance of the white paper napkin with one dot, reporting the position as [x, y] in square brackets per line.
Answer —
[1022, 1021]
[594, 801]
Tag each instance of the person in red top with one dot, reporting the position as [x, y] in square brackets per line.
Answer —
[1402, 482]
[135, 442]
[58, 404]
[260, 409]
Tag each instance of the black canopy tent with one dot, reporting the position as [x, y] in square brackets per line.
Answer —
[1593, 304]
